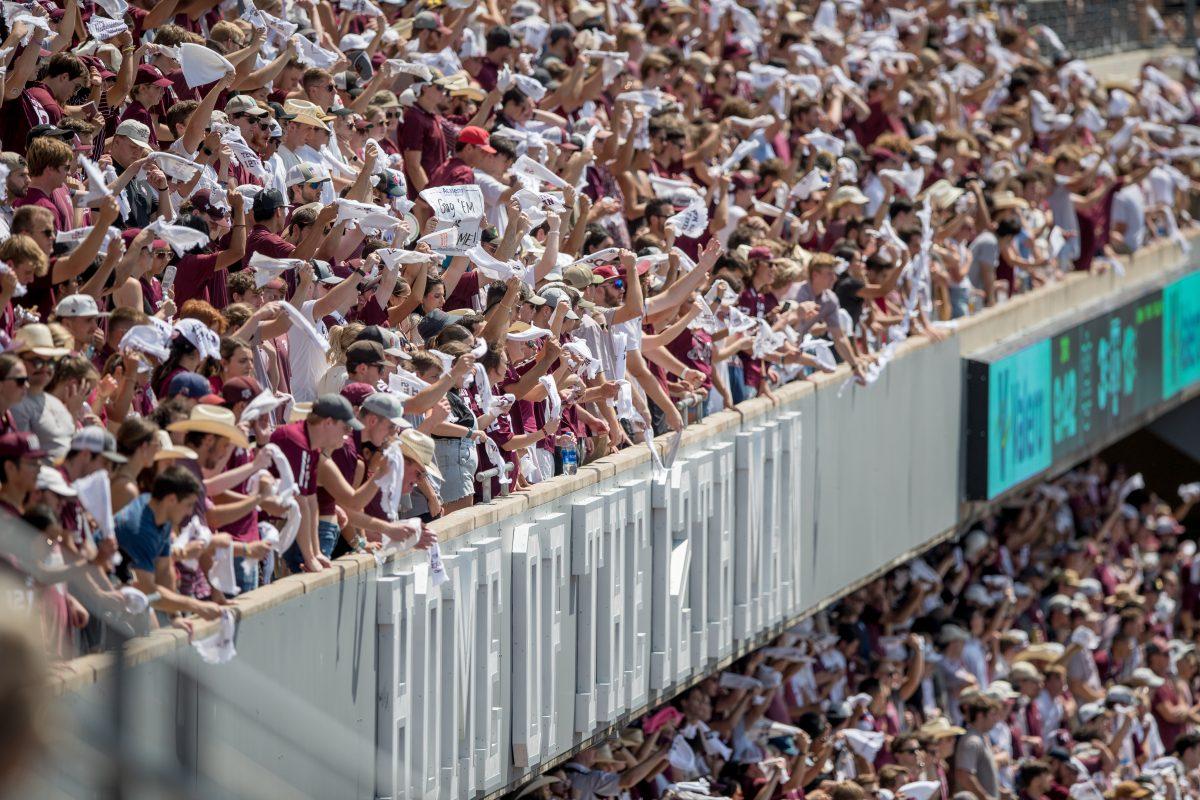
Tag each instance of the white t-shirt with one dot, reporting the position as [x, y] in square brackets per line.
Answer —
[307, 361]
[1129, 209]
[494, 211]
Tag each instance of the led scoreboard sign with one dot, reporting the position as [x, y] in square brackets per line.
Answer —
[1043, 400]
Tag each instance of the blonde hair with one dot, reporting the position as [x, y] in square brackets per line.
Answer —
[20, 248]
[340, 339]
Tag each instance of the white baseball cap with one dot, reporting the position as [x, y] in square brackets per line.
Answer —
[137, 131]
[50, 478]
[78, 305]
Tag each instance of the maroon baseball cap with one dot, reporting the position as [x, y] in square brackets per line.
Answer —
[759, 253]
[202, 201]
[149, 75]
[357, 392]
[237, 390]
[606, 271]
[20, 445]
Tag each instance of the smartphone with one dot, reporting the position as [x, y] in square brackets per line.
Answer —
[168, 278]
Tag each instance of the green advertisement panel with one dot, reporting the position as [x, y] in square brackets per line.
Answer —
[1019, 417]
[1181, 335]
[1042, 402]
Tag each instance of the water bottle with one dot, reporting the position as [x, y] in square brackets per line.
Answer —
[570, 458]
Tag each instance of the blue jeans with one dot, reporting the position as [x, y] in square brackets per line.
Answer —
[246, 573]
[737, 380]
[960, 302]
[327, 536]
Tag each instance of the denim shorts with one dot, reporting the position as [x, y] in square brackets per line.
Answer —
[458, 461]
[327, 536]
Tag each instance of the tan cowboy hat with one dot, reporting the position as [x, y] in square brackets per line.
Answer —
[419, 447]
[1006, 200]
[604, 755]
[538, 783]
[939, 728]
[943, 194]
[212, 419]
[633, 737]
[37, 339]
[299, 411]
[168, 450]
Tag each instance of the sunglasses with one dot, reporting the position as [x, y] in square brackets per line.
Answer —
[162, 253]
[37, 362]
[393, 114]
[619, 283]
[21, 381]
[317, 184]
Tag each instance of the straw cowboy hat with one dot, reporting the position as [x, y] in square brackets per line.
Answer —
[419, 447]
[212, 419]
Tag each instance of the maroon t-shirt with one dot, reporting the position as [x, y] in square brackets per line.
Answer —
[292, 439]
[694, 348]
[192, 277]
[272, 245]
[345, 458]
[422, 131]
[465, 292]
[1167, 731]
[34, 106]
[57, 203]
[246, 528]
[454, 172]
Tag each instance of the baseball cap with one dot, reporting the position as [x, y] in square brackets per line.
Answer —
[388, 406]
[202, 201]
[433, 324]
[356, 392]
[53, 131]
[137, 131]
[325, 273]
[429, 21]
[237, 390]
[478, 137]
[150, 75]
[15, 444]
[281, 114]
[605, 272]
[304, 172]
[94, 439]
[244, 104]
[192, 386]
[269, 200]
[578, 276]
[553, 296]
[78, 305]
[365, 353]
[334, 406]
[52, 480]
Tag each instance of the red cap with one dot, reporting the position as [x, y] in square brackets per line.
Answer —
[20, 445]
[356, 392]
[147, 75]
[211, 400]
[478, 137]
[606, 271]
[237, 390]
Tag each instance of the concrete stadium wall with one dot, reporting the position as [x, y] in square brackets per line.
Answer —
[576, 606]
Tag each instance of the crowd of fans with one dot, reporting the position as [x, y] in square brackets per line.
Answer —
[1049, 654]
[285, 281]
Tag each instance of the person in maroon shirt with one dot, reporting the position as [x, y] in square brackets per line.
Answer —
[147, 94]
[474, 144]
[197, 268]
[50, 162]
[501, 49]
[421, 138]
[325, 428]
[41, 103]
[881, 114]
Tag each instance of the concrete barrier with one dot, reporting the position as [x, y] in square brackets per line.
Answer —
[578, 605]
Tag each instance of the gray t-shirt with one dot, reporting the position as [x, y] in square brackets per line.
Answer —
[48, 419]
[827, 312]
[985, 257]
[974, 755]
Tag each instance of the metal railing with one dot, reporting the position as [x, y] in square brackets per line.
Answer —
[1099, 27]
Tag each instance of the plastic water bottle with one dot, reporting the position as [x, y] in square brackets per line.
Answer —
[570, 458]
